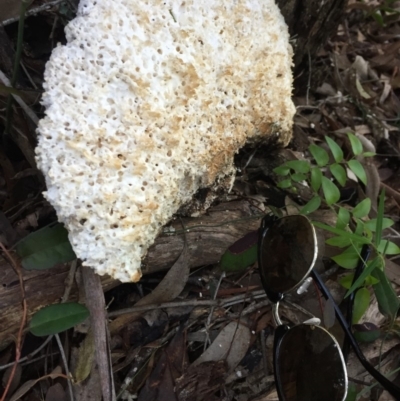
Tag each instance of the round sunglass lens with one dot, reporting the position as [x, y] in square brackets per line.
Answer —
[310, 366]
[288, 252]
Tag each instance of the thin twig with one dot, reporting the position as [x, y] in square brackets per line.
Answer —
[309, 77]
[192, 302]
[19, 342]
[28, 357]
[208, 322]
[18, 53]
[18, 99]
[69, 281]
[96, 305]
[34, 11]
[64, 359]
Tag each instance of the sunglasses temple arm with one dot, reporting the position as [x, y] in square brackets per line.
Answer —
[280, 331]
[387, 384]
[364, 256]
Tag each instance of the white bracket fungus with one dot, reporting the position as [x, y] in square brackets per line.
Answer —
[148, 102]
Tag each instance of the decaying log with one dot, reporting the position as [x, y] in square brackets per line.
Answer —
[208, 236]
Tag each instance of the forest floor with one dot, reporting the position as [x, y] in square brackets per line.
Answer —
[215, 341]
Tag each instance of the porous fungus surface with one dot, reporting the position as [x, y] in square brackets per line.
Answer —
[148, 102]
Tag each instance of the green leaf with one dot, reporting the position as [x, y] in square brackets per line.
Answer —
[388, 302]
[370, 281]
[298, 177]
[362, 209]
[348, 259]
[336, 150]
[240, 255]
[285, 183]
[359, 227]
[331, 191]
[366, 332]
[379, 217]
[346, 280]
[57, 318]
[371, 266]
[316, 178]
[300, 166]
[339, 173]
[343, 218]
[388, 247]
[340, 242]
[357, 168]
[356, 144]
[372, 224]
[351, 392]
[361, 303]
[320, 155]
[282, 170]
[355, 238]
[311, 206]
[369, 154]
[45, 248]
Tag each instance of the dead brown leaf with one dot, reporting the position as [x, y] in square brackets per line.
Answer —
[56, 393]
[168, 289]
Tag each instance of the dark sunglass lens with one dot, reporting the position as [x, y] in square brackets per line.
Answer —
[287, 253]
[310, 366]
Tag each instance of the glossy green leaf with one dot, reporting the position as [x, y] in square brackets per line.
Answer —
[57, 318]
[361, 303]
[320, 155]
[366, 332]
[298, 177]
[316, 178]
[339, 173]
[362, 209]
[45, 248]
[336, 150]
[371, 266]
[357, 168]
[356, 144]
[331, 191]
[369, 154]
[388, 247]
[355, 238]
[311, 206]
[343, 218]
[340, 242]
[388, 302]
[285, 183]
[300, 166]
[372, 224]
[282, 170]
[347, 259]
[240, 255]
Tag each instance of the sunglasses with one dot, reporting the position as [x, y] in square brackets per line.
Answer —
[308, 362]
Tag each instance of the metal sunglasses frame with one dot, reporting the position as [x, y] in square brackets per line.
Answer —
[282, 329]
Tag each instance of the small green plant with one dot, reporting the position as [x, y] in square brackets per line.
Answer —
[324, 175]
